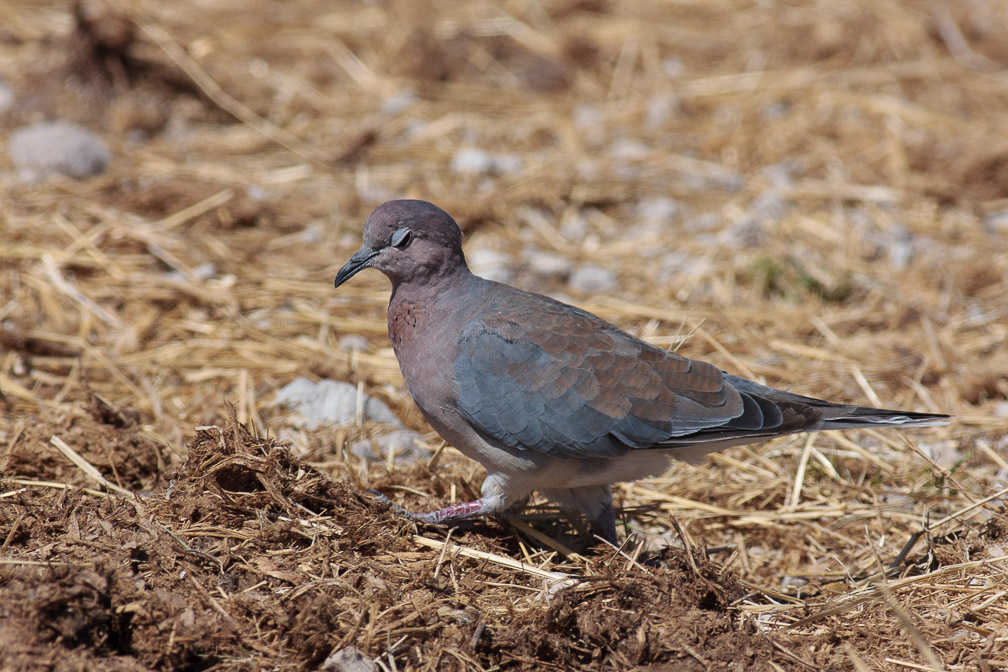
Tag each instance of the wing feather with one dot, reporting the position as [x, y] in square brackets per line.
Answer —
[540, 375]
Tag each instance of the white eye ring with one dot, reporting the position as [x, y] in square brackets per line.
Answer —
[401, 237]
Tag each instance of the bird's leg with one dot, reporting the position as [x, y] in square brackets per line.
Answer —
[449, 514]
[604, 523]
[453, 513]
[496, 497]
[595, 502]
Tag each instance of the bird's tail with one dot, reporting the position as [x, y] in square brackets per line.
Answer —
[839, 416]
[859, 417]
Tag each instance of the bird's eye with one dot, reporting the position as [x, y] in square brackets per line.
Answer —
[401, 237]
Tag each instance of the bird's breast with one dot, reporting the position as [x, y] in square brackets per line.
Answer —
[405, 320]
[422, 348]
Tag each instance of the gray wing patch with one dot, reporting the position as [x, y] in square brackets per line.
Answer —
[525, 411]
[539, 396]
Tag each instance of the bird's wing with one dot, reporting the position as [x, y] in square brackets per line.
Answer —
[538, 374]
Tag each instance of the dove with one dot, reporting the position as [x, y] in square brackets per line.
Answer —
[547, 396]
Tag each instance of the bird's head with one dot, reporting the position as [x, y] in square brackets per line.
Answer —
[408, 241]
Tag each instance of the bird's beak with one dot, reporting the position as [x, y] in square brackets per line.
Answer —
[358, 262]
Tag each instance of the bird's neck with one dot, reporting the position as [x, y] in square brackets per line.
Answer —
[446, 278]
[418, 308]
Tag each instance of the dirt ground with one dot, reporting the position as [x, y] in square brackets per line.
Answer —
[811, 194]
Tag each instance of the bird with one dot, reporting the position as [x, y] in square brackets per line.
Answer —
[551, 398]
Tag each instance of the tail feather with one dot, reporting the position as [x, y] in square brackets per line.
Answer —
[855, 417]
[840, 416]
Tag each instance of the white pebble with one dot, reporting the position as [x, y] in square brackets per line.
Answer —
[57, 147]
[548, 264]
[626, 148]
[780, 174]
[997, 221]
[490, 264]
[352, 343]
[401, 443]
[311, 234]
[592, 279]
[204, 271]
[349, 659]
[943, 453]
[588, 117]
[794, 583]
[475, 161]
[331, 401]
[398, 102]
[673, 67]
[255, 192]
[471, 160]
[900, 253]
[660, 109]
[660, 210]
[507, 163]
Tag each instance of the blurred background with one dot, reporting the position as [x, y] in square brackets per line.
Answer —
[813, 194]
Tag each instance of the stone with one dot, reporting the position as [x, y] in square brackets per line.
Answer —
[348, 659]
[592, 279]
[331, 402]
[400, 443]
[57, 147]
[476, 161]
[490, 264]
[548, 264]
[352, 343]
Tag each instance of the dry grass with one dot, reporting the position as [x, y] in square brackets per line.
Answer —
[840, 179]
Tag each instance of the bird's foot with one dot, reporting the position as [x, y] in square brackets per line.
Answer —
[449, 514]
[603, 524]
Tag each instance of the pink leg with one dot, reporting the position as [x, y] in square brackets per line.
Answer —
[452, 513]
[449, 514]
